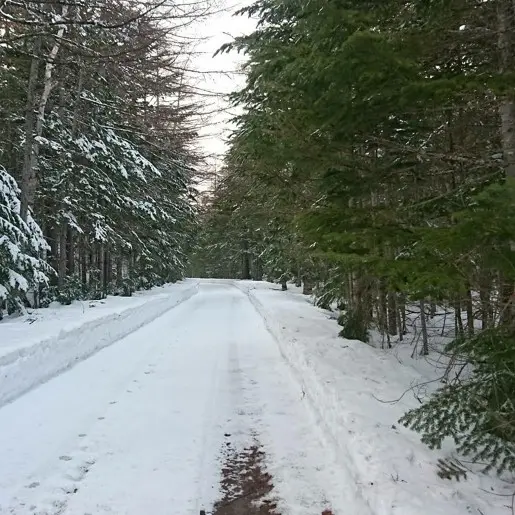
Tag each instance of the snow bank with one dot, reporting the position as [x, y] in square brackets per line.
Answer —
[346, 384]
[35, 348]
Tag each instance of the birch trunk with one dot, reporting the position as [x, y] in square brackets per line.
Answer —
[34, 130]
[28, 178]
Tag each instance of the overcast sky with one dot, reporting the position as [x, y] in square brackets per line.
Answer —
[215, 31]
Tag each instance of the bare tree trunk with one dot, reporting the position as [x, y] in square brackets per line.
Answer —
[506, 33]
[399, 315]
[392, 313]
[70, 255]
[53, 239]
[28, 184]
[470, 314]
[245, 259]
[34, 131]
[108, 268]
[382, 310]
[486, 305]
[457, 320]
[84, 261]
[425, 338]
[101, 268]
[257, 274]
[63, 231]
[119, 270]
[129, 266]
[402, 309]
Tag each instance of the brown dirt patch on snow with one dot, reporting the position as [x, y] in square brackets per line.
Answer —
[246, 486]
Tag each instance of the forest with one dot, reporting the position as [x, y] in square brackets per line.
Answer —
[373, 162]
[97, 155]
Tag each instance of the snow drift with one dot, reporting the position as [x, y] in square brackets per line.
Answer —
[342, 382]
[26, 367]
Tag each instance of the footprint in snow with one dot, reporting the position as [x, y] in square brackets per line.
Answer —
[71, 489]
[35, 484]
[65, 458]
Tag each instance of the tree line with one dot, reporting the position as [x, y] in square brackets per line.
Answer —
[374, 163]
[97, 147]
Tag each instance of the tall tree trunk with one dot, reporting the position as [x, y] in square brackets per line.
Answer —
[70, 257]
[402, 309]
[84, 261]
[101, 268]
[108, 268]
[246, 261]
[399, 313]
[458, 322]
[486, 304]
[506, 35]
[470, 314]
[392, 313]
[257, 274]
[63, 231]
[423, 324]
[34, 131]
[28, 178]
[53, 240]
[382, 309]
[119, 270]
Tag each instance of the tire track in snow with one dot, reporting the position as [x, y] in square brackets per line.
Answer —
[351, 480]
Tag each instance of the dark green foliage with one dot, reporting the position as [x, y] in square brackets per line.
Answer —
[72, 289]
[478, 410]
[369, 160]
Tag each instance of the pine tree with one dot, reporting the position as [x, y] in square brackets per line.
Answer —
[22, 248]
[375, 151]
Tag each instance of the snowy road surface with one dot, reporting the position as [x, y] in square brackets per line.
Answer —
[138, 427]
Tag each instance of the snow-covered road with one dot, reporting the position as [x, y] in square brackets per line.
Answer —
[138, 427]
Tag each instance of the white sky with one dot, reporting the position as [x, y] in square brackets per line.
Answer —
[215, 31]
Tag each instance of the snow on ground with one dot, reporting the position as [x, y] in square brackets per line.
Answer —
[347, 383]
[138, 427]
[43, 343]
